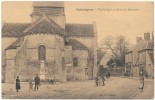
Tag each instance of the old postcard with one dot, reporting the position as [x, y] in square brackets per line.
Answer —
[77, 50]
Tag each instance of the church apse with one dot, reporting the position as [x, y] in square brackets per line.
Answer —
[44, 50]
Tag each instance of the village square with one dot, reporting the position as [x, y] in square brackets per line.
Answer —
[49, 58]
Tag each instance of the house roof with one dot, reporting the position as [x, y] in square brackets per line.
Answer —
[14, 29]
[100, 54]
[16, 44]
[142, 45]
[79, 30]
[76, 45]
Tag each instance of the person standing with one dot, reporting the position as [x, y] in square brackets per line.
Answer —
[37, 82]
[17, 84]
[141, 84]
[96, 80]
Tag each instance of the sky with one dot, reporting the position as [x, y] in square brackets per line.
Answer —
[130, 19]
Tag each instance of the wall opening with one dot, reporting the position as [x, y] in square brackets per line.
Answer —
[75, 62]
[41, 52]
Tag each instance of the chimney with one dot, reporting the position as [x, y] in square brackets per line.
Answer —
[138, 39]
[146, 36]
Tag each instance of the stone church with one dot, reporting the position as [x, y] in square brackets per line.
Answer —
[49, 47]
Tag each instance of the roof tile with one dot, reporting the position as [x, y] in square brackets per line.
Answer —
[80, 30]
[14, 29]
[76, 45]
[16, 44]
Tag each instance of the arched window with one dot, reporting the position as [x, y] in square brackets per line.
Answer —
[75, 62]
[41, 52]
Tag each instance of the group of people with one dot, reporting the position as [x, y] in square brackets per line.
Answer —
[36, 81]
[100, 76]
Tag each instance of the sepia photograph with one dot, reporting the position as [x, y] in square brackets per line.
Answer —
[77, 50]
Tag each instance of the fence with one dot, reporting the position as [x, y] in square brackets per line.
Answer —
[117, 71]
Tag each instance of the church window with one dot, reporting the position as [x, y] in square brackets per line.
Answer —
[41, 52]
[75, 62]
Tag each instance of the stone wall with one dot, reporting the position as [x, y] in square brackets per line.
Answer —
[69, 62]
[10, 65]
[79, 71]
[91, 44]
[149, 63]
[135, 72]
[6, 42]
[54, 48]
[24, 60]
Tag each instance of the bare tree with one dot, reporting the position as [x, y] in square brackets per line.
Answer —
[108, 43]
[118, 46]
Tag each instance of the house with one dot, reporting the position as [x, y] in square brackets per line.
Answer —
[49, 46]
[103, 58]
[140, 57]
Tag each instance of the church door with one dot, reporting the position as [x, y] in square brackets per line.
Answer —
[41, 52]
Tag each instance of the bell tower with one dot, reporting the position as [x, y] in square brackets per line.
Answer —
[53, 9]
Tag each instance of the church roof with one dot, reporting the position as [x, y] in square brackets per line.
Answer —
[46, 26]
[76, 45]
[14, 29]
[16, 44]
[85, 30]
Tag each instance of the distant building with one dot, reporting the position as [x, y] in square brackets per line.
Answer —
[140, 57]
[103, 58]
[49, 46]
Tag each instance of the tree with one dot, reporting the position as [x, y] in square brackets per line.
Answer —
[110, 63]
[118, 46]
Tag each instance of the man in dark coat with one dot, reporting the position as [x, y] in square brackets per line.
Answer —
[37, 82]
[17, 84]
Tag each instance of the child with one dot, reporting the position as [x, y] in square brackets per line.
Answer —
[30, 85]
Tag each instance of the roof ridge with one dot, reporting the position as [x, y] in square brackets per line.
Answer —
[55, 23]
[56, 28]
[32, 25]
